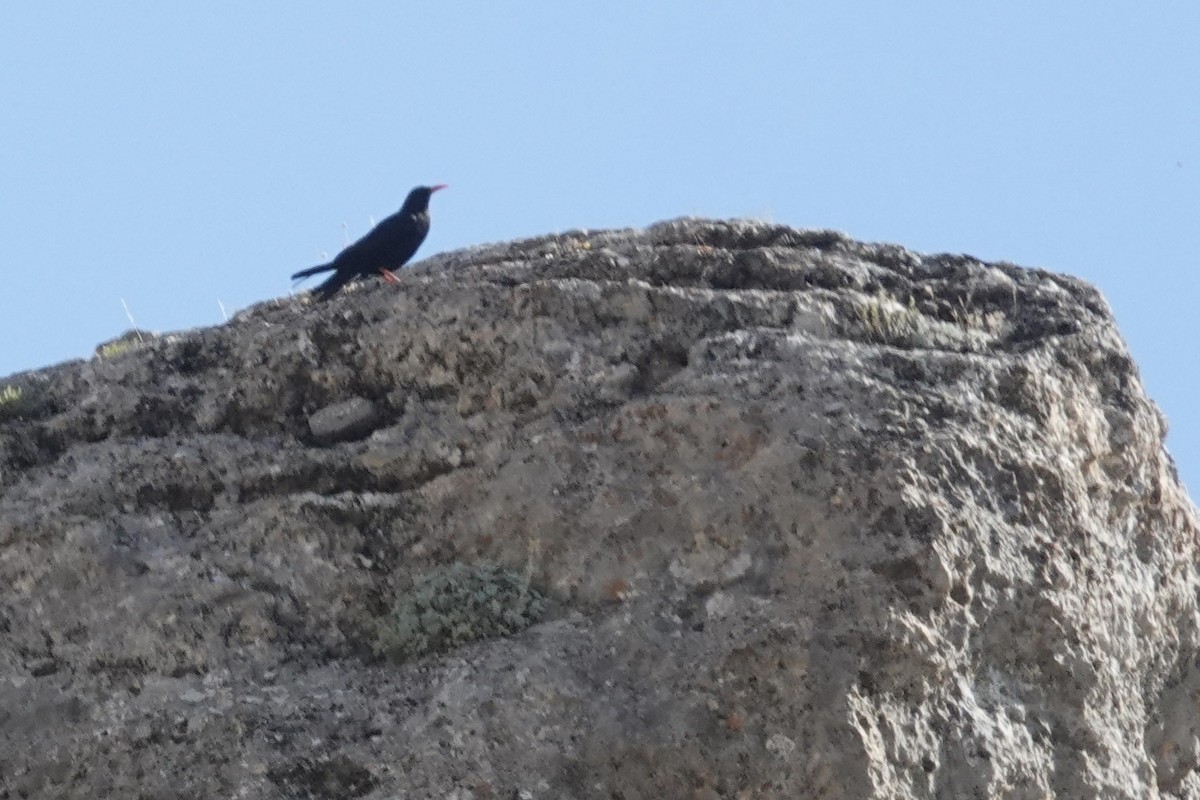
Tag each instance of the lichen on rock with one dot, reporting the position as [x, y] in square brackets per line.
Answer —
[456, 605]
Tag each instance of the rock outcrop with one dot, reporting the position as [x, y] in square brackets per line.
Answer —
[707, 510]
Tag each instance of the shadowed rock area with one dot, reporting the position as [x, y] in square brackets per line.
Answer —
[705, 510]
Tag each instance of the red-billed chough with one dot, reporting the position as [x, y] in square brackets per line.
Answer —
[386, 247]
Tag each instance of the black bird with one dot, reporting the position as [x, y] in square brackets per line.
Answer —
[386, 247]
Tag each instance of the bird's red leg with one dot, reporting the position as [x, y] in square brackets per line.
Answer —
[388, 276]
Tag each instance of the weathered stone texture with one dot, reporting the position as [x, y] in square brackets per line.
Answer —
[813, 518]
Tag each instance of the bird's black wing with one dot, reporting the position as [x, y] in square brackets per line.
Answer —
[357, 257]
[386, 246]
[370, 253]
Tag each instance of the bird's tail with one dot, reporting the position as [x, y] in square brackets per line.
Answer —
[304, 273]
[332, 284]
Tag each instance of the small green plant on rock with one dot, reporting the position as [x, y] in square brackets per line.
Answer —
[118, 348]
[885, 320]
[12, 402]
[455, 605]
[129, 341]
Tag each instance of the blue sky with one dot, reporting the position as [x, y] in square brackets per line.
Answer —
[177, 155]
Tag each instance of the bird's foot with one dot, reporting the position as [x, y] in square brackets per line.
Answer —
[389, 276]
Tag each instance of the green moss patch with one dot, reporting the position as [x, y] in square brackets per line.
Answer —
[455, 605]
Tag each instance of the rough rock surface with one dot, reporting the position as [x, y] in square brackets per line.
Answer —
[349, 419]
[811, 518]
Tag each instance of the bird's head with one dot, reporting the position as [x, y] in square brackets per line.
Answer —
[418, 199]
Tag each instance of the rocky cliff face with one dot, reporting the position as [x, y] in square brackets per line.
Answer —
[709, 510]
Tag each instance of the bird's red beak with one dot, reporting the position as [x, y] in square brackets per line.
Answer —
[439, 186]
